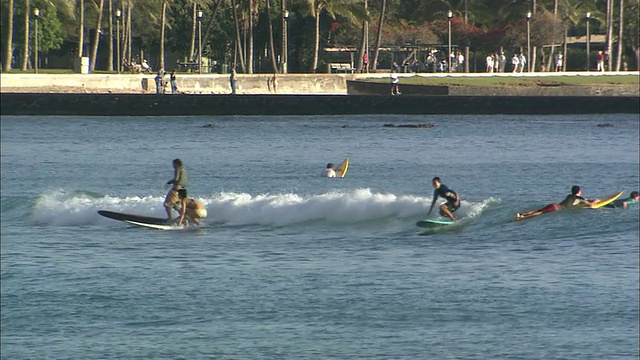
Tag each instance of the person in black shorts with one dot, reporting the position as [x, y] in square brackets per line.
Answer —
[443, 191]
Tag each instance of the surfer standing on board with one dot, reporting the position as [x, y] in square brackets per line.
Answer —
[329, 171]
[572, 200]
[179, 181]
[453, 200]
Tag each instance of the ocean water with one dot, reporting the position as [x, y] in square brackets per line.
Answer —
[289, 265]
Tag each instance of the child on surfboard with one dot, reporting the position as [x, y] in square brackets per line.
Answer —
[453, 200]
[190, 208]
[572, 200]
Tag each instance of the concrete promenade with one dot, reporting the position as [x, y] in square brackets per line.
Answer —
[291, 84]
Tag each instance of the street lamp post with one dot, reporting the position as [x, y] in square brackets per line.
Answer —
[588, 17]
[449, 63]
[285, 36]
[529, 41]
[200, 15]
[36, 15]
[118, 60]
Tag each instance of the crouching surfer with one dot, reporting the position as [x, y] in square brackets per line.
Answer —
[572, 200]
[190, 208]
[453, 200]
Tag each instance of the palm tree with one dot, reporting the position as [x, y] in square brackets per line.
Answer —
[80, 28]
[238, 40]
[383, 10]
[620, 33]
[8, 50]
[96, 36]
[347, 8]
[163, 24]
[110, 62]
[25, 47]
[274, 63]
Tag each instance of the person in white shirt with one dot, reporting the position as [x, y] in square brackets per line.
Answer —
[523, 62]
[515, 62]
[329, 172]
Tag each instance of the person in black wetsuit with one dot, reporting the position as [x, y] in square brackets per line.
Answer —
[443, 191]
[572, 200]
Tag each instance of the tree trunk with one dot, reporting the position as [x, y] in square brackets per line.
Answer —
[163, 24]
[466, 47]
[316, 42]
[8, 50]
[110, 64]
[130, 32]
[205, 37]
[80, 28]
[564, 50]
[238, 40]
[553, 46]
[25, 47]
[620, 33]
[609, 34]
[250, 51]
[194, 24]
[365, 38]
[272, 45]
[96, 37]
[374, 63]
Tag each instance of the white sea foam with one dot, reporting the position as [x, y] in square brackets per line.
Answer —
[60, 208]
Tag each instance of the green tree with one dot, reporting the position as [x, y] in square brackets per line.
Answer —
[7, 54]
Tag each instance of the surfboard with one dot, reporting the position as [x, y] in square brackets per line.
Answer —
[607, 201]
[139, 220]
[432, 222]
[341, 170]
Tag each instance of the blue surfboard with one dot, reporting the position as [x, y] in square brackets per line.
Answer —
[428, 223]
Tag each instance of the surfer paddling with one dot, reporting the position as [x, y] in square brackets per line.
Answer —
[453, 200]
[190, 208]
[572, 200]
[178, 182]
[625, 203]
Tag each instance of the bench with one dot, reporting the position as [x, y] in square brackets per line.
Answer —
[189, 65]
[342, 67]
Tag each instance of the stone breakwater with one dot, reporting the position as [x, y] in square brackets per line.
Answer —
[189, 104]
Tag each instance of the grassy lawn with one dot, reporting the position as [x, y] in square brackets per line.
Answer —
[519, 81]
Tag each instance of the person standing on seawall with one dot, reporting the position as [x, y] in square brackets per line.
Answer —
[394, 84]
[178, 182]
[233, 79]
[443, 191]
[174, 84]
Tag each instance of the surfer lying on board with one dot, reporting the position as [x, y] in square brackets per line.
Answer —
[329, 171]
[453, 200]
[179, 181]
[190, 208]
[572, 200]
[625, 203]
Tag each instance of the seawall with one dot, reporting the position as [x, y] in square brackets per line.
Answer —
[190, 104]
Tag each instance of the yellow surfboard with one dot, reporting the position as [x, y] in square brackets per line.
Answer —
[341, 170]
[606, 201]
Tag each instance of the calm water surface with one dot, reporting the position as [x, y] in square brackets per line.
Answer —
[290, 265]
